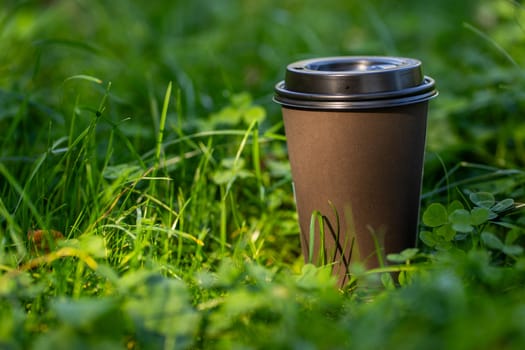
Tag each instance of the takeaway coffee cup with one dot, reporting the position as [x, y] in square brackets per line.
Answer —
[355, 129]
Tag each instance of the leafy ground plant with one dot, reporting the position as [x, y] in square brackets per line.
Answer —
[473, 227]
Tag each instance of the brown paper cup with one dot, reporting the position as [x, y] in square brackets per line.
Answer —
[356, 168]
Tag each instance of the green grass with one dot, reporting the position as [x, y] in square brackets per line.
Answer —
[145, 133]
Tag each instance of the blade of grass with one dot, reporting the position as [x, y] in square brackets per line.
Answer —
[238, 156]
[256, 159]
[204, 134]
[23, 195]
[84, 77]
[243, 142]
[495, 174]
[223, 220]
[13, 229]
[378, 247]
[322, 253]
[311, 241]
[162, 125]
[316, 216]
[498, 47]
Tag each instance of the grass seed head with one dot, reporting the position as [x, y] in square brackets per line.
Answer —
[43, 240]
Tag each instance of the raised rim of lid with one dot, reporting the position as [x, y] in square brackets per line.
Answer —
[354, 82]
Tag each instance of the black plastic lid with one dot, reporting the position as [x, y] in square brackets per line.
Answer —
[354, 82]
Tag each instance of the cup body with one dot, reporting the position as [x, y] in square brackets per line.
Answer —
[361, 171]
[357, 168]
